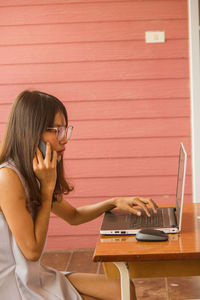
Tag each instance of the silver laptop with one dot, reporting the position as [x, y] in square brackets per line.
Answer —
[167, 219]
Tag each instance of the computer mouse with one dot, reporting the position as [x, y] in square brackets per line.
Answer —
[151, 234]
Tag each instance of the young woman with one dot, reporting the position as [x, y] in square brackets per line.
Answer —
[32, 185]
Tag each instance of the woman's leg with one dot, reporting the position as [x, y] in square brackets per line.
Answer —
[97, 286]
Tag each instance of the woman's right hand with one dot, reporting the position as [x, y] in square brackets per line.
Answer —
[45, 169]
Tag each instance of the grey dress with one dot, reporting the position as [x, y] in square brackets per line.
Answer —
[21, 279]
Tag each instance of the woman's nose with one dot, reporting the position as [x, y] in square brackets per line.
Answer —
[64, 140]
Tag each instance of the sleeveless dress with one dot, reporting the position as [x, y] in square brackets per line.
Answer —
[21, 279]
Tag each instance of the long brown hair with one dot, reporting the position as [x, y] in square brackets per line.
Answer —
[31, 114]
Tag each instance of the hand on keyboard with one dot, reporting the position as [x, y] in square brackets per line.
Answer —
[129, 203]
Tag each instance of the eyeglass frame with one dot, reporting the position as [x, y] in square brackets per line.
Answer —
[55, 129]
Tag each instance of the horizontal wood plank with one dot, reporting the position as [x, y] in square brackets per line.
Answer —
[87, 32]
[58, 227]
[145, 186]
[93, 12]
[50, 2]
[120, 109]
[127, 167]
[103, 90]
[95, 71]
[135, 148]
[71, 242]
[136, 128]
[99, 51]
[159, 199]
[132, 128]
[128, 109]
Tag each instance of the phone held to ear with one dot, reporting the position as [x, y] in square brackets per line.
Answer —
[42, 146]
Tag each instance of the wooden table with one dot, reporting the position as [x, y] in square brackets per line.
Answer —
[124, 257]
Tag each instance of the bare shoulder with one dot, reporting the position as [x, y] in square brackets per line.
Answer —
[10, 185]
[5, 171]
[8, 177]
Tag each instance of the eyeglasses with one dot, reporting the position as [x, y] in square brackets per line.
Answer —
[62, 131]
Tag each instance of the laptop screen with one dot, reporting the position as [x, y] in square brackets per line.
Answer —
[180, 183]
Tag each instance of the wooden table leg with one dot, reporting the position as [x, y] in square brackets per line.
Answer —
[124, 279]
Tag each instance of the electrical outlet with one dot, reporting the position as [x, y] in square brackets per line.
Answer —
[155, 36]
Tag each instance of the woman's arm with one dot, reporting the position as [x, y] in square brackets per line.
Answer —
[75, 216]
[30, 235]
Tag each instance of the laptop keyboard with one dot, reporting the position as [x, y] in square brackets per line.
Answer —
[156, 220]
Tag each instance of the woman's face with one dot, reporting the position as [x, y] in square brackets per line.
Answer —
[50, 136]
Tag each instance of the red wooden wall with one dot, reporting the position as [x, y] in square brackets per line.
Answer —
[128, 100]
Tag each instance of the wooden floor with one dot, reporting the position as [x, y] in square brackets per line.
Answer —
[184, 288]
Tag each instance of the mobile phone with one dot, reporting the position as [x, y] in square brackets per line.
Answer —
[42, 146]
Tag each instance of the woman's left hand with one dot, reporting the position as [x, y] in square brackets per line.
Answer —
[45, 168]
[128, 203]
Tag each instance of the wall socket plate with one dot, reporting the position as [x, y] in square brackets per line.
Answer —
[154, 36]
